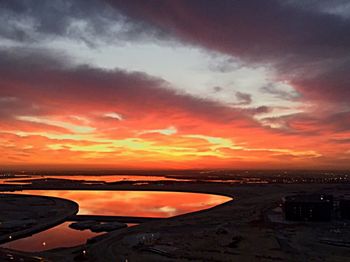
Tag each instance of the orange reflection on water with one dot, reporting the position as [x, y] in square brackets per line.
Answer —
[90, 178]
[135, 203]
[118, 203]
[59, 236]
[113, 178]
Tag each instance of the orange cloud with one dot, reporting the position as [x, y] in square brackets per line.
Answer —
[83, 116]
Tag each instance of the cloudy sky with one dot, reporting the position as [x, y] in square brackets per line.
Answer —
[175, 84]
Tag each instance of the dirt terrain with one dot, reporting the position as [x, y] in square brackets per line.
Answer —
[238, 230]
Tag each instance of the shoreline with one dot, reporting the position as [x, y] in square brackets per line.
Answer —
[67, 208]
[226, 232]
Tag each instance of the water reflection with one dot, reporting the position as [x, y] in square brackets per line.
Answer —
[92, 178]
[118, 203]
[59, 236]
[135, 203]
[26, 179]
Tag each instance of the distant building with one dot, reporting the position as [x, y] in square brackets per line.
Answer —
[308, 207]
[344, 208]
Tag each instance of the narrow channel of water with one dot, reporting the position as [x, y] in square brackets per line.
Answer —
[90, 178]
[58, 236]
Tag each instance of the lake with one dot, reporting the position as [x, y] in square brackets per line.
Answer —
[117, 203]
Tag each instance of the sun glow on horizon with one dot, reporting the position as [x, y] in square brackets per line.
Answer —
[125, 86]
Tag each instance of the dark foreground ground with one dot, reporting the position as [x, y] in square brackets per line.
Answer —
[23, 215]
[239, 230]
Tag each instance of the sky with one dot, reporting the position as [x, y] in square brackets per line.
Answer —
[165, 84]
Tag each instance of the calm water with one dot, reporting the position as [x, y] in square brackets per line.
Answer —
[58, 236]
[119, 203]
[119, 178]
[97, 178]
[135, 203]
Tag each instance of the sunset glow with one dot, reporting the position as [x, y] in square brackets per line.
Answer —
[121, 85]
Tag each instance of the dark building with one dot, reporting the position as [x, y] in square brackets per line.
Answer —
[308, 207]
[344, 208]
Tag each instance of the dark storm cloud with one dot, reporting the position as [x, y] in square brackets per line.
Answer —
[273, 90]
[217, 89]
[290, 36]
[90, 21]
[24, 20]
[307, 42]
[57, 87]
[340, 121]
[339, 7]
[255, 29]
[243, 98]
[10, 106]
[330, 82]
[307, 124]
[258, 110]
